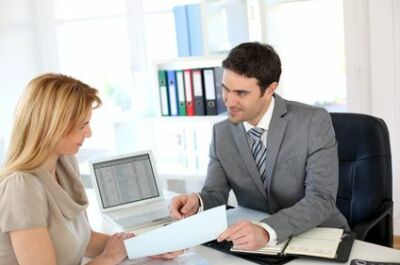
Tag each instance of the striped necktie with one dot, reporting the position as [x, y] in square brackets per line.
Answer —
[259, 151]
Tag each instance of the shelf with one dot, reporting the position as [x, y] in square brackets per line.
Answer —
[191, 62]
[189, 119]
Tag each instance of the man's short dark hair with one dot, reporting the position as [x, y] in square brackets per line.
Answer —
[254, 59]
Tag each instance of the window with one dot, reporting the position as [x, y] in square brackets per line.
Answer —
[98, 42]
[18, 61]
[309, 37]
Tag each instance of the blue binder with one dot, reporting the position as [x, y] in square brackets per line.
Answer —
[182, 31]
[195, 30]
[189, 33]
[173, 93]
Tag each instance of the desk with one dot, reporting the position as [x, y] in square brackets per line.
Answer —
[361, 250]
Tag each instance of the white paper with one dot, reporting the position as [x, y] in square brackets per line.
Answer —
[189, 257]
[186, 233]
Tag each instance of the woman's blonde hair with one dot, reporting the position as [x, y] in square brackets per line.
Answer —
[51, 106]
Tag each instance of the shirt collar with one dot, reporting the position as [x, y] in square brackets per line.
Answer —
[265, 120]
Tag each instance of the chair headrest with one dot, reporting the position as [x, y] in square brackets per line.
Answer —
[361, 136]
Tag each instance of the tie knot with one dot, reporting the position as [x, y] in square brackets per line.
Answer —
[255, 133]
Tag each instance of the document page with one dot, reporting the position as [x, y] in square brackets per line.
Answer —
[189, 257]
[319, 242]
[185, 233]
[267, 250]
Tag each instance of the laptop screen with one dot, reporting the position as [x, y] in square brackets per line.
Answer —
[125, 180]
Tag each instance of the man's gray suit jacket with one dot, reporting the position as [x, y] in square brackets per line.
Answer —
[302, 170]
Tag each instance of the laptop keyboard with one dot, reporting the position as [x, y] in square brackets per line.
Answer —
[146, 214]
[147, 219]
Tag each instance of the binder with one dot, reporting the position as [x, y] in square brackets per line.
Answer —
[182, 30]
[189, 33]
[180, 84]
[209, 91]
[187, 77]
[198, 92]
[195, 29]
[218, 72]
[172, 93]
[164, 100]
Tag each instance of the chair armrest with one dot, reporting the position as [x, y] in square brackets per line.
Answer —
[363, 228]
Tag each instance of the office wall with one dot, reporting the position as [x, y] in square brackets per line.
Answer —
[372, 30]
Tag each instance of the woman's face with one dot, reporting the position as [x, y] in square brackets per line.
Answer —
[70, 144]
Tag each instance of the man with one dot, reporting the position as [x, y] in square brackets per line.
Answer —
[278, 156]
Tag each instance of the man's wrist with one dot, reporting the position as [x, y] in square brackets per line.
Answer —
[201, 205]
[272, 238]
[266, 235]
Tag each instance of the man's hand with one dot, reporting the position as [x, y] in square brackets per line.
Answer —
[245, 235]
[184, 205]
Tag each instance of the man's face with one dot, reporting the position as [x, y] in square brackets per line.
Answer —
[243, 99]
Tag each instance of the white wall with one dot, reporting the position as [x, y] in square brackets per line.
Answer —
[372, 36]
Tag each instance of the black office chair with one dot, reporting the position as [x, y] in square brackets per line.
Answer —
[365, 176]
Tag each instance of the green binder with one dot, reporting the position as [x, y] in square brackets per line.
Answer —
[180, 84]
[164, 99]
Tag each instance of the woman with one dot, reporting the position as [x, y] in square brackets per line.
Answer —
[42, 201]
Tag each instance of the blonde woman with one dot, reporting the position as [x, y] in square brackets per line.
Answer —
[42, 201]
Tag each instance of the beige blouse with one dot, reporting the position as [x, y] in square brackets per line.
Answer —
[33, 200]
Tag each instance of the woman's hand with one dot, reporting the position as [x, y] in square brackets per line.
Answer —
[114, 251]
[168, 255]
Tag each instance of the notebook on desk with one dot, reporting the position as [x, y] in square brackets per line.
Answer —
[128, 190]
[319, 242]
[302, 246]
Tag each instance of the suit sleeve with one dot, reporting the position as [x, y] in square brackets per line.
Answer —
[216, 188]
[321, 182]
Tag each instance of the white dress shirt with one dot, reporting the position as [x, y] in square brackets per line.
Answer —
[264, 124]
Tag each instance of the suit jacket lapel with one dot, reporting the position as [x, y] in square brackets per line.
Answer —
[240, 136]
[276, 132]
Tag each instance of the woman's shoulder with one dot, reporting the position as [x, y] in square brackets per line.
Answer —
[20, 180]
[23, 202]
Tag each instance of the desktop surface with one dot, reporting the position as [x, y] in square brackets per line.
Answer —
[360, 250]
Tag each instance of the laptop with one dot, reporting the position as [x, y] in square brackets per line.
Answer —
[128, 190]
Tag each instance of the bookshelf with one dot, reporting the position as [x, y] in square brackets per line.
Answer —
[181, 143]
